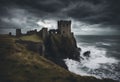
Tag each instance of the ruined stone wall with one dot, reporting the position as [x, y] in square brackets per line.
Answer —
[31, 32]
[43, 33]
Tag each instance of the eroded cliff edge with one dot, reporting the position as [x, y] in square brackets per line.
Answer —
[59, 47]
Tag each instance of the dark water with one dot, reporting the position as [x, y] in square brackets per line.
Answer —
[104, 61]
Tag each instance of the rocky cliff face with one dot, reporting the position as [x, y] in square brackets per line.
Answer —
[59, 47]
[54, 47]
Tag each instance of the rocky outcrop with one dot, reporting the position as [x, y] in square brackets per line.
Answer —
[37, 47]
[59, 47]
[86, 54]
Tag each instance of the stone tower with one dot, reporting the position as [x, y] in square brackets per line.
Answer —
[18, 32]
[64, 27]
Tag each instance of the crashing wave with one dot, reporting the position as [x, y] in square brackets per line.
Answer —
[98, 65]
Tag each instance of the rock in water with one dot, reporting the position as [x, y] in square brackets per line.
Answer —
[86, 54]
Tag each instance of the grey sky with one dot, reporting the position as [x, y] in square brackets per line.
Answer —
[88, 16]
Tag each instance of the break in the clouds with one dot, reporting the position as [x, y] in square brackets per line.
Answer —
[88, 16]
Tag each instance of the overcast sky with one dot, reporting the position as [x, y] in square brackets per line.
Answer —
[89, 17]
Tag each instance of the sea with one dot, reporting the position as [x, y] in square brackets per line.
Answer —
[104, 60]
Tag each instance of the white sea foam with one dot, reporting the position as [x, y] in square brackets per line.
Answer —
[94, 65]
[103, 43]
[97, 57]
[75, 67]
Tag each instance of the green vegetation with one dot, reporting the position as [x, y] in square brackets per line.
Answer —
[33, 38]
[18, 64]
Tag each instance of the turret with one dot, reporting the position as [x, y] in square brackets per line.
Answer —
[64, 27]
[18, 32]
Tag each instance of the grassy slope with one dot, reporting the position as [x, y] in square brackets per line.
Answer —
[33, 38]
[17, 64]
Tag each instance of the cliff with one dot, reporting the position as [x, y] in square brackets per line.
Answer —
[59, 47]
[18, 63]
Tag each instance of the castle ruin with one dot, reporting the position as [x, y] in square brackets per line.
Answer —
[63, 29]
[52, 41]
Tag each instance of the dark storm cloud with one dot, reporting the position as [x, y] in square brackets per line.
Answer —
[98, 11]
[34, 6]
[105, 12]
